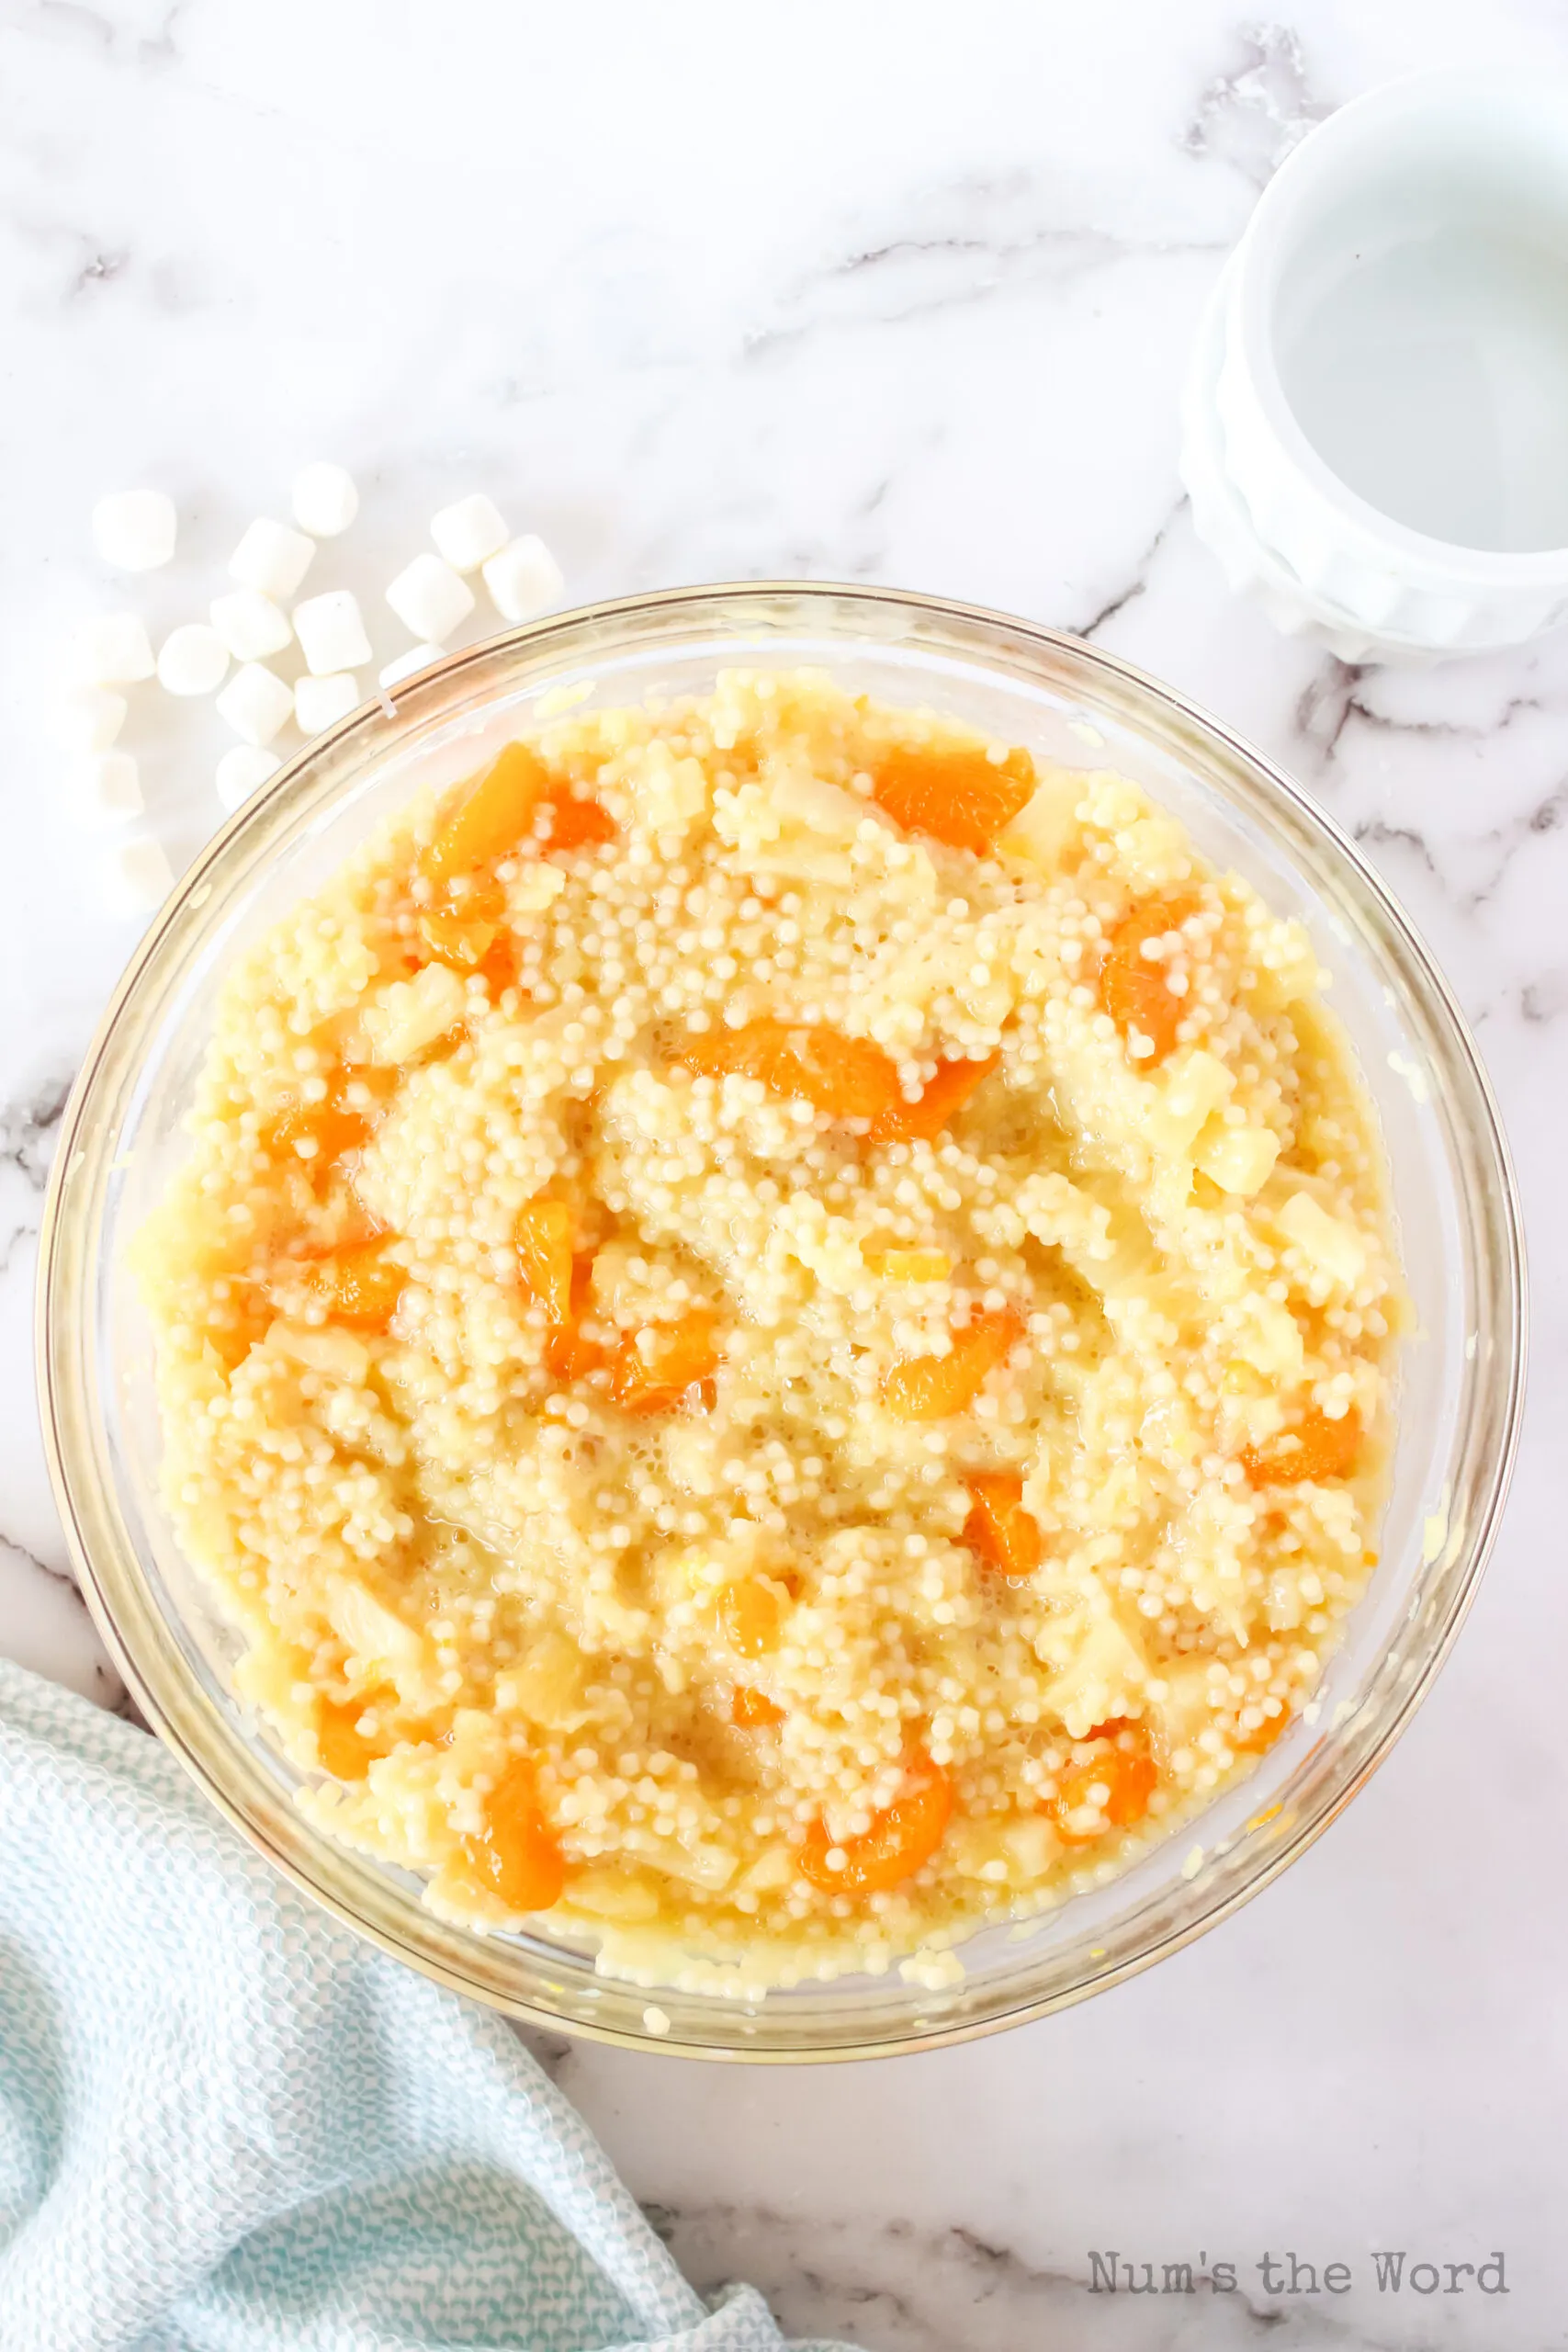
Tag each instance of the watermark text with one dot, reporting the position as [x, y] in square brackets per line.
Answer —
[1392, 2271]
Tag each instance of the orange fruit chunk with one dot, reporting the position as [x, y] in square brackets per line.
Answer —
[929, 1389]
[575, 823]
[498, 965]
[945, 1097]
[998, 1529]
[1317, 1450]
[517, 1857]
[753, 1710]
[751, 1611]
[1261, 1737]
[568, 1354]
[544, 1256]
[345, 1751]
[491, 816]
[342, 1746]
[1131, 989]
[456, 938]
[1127, 1775]
[360, 1285]
[333, 1124]
[845, 1078]
[902, 1837]
[233, 1330]
[571, 1357]
[1114, 1726]
[681, 1356]
[893, 1264]
[958, 796]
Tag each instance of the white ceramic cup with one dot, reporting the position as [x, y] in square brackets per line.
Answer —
[1376, 427]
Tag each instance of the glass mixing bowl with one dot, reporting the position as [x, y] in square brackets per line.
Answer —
[1461, 1374]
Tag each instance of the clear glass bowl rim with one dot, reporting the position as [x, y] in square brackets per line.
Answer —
[111, 1576]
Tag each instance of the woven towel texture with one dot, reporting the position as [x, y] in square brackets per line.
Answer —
[228, 2126]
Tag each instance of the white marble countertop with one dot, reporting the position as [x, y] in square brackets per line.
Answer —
[895, 295]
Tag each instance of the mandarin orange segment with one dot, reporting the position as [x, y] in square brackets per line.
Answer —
[999, 1530]
[753, 1710]
[1113, 1788]
[893, 1264]
[1260, 1737]
[1317, 1450]
[844, 1078]
[945, 1097]
[568, 1354]
[678, 1357]
[902, 1837]
[331, 1126]
[1133, 1779]
[498, 965]
[930, 1388]
[958, 796]
[342, 1746]
[234, 1331]
[517, 1857]
[1132, 987]
[457, 938]
[577, 824]
[544, 1256]
[334, 1125]
[491, 817]
[751, 1611]
[360, 1285]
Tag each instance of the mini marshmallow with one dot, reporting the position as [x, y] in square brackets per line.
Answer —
[429, 598]
[107, 788]
[90, 720]
[255, 703]
[469, 532]
[271, 558]
[322, 702]
[135, 529]
[242, 771]
[523, 579]
[331, 633]
[192, 660]
[112, 650]
[324, 500]
[418, 656]
[138, 878]
[249, 624]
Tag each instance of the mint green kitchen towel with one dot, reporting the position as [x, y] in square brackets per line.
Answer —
[228, 2126]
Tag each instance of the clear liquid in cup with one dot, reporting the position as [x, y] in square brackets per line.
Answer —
[1432, 378]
